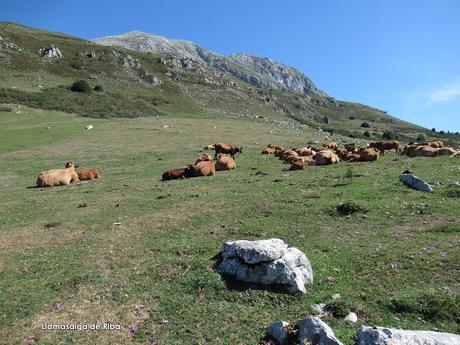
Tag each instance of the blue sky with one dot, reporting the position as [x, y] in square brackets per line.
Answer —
[402, 56]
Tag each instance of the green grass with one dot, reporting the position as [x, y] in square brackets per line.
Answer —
[161, 256]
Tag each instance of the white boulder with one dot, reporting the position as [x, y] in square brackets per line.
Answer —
[313, 330]
[388, 336]
[266, 262]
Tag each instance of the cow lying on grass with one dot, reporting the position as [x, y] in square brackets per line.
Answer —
[88, 174]
[225, 163]
[58, 177]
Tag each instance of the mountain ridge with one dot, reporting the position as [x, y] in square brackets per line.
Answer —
[261, 72]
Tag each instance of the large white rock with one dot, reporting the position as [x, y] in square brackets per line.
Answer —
[254, 252]
[415, 182]
[267, 262]
[388, 336]
[51, 52]
[278, 331]
[313, 330]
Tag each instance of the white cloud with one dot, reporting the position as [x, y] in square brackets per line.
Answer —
[445, 94]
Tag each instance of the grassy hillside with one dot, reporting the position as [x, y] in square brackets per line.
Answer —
[135, 251]
[186, 88]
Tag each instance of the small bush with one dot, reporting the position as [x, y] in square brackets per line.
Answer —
[351, 117]
[80, 86]
[365, 125]
[389, 135]
[98, 88]
[421, 137]
[367, 134]
[6, 109]
[433, 129]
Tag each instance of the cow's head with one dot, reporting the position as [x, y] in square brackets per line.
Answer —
[69, 164]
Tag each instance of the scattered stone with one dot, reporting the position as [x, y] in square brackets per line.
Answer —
[351, 317]
[336, 297]
[388, 336]
[162, 321]
[415, 182]
[317, 332]
[89, 127]
[279, 332]
[266, 262]
[321, 309]
[82, 205]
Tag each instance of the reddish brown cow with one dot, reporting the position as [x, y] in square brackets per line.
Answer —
[227, 149]
[174, 174]
[203, 168]
[88, 174]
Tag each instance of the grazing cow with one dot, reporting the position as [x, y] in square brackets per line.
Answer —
[424, 151]
[369, 155]
[225, 163]
[383, 146]
[446, 151]
[227, 149]
[203, 168]
[326, 157]
[437, 144]
[174, 174]
[58, 177]
[88, 174]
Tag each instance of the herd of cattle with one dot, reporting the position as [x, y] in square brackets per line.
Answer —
[224, 159]
[331, 153]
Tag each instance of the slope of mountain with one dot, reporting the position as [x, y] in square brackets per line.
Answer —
[261, 72]
[37, 68]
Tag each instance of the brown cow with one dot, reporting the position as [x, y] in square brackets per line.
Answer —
[58, 177]
[88, 174]
[275, 147]
[269, 151]
[225, 163]
[383, 146]
[437, 144]
[305, 151]
[326, 157]
[203, 168]
[446, 151]
[424, 151]
[352, 157]
[228, 149]
[330, 146]
[369, 155]
[174, 174]
[204, 157]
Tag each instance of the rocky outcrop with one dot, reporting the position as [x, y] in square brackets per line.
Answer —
[51, 53]
[388, 336]
[261, 72]
[278, 331]
[266, 262]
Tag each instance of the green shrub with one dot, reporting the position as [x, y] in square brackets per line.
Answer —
[389, 135]
[367, 134]
[80, 86]
[421, 137]
[365, 125]
[98, 88]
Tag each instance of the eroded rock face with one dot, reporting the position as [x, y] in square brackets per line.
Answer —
[313, 330]
[388, 336]
[267, 262]
[51, 53]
